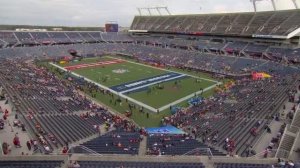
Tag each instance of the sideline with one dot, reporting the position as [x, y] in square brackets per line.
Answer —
[187, 97]
[87, 65]
[165, 69]
[107, 88]
[153, 83]
[139, 102]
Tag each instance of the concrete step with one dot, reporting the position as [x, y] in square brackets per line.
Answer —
[143, 146]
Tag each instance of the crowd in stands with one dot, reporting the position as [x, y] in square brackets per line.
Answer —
[31, 164]
[281, 164]
[10, 38]
[203, 44]
[233, 66]
[34, 90]
[114, 142]
[246, 24]
[234, 119]
[168, 144]
[231, 120]
[140, 164]
[57, 113]
[50, 108]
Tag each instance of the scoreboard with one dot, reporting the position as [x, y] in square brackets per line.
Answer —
[111, 27]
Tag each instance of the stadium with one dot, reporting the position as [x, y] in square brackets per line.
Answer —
[216, 90]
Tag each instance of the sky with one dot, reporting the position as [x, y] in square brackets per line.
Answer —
[98, 12]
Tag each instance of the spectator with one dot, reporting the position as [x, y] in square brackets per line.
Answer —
[65, 150]
[76, 165]
[28, 145]
[47, 149]
[16, 142]
[5, 148]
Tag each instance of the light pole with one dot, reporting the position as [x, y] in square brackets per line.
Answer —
[255, 7]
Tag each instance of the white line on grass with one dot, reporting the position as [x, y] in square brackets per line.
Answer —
[183, 98]
[165, 69]
[153, 83]
[141, 103]
[91, 58]
[107, 88]
[187, 97]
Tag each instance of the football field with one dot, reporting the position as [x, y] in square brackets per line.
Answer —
[153, 88]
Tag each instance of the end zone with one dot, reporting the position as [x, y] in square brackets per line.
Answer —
[79, 66]
[139, 84]
[123, 89]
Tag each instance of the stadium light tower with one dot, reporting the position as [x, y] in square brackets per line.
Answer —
[255, 7]
[158, 9]
[295, 4]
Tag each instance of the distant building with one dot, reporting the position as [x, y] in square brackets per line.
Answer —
[123, 29]
[57, 29]
[37, 30]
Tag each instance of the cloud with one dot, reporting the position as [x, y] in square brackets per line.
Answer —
[98, 12]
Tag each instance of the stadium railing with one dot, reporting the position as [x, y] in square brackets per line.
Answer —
[200, 150]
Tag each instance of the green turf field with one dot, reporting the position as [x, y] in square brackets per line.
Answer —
[171, 91]
[86, 60]
[156, 98]
[135, 72]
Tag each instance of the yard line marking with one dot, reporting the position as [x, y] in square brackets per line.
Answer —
[141, 103]
[141, 82]
[187, 97]
[112, 91]
[150, 84]
[165, 69]
[87, 65]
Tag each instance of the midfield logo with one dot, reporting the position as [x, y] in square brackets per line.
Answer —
[120, 71]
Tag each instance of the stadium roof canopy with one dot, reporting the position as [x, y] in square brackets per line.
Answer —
[282, 24]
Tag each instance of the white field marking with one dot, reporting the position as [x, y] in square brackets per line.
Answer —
[153, 83]
[91, 64]
[165, 69]
[187, 97]
[79, 66]
[184, 98]
[91, 58]
[141, 103]
[112, 91]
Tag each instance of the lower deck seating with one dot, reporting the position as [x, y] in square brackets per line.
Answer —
[31, 164]
[114, 142]
[177, 145]
[241, 165]
[114, 164]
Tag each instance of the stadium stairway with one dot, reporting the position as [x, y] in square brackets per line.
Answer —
[102, 132]
[296, 119]
[148, 159]
[294, 154]
[143, 146]
[37, 161]
[287, 142]
[266, 138]
[110, 110]
[8, 133]
[114, 142]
